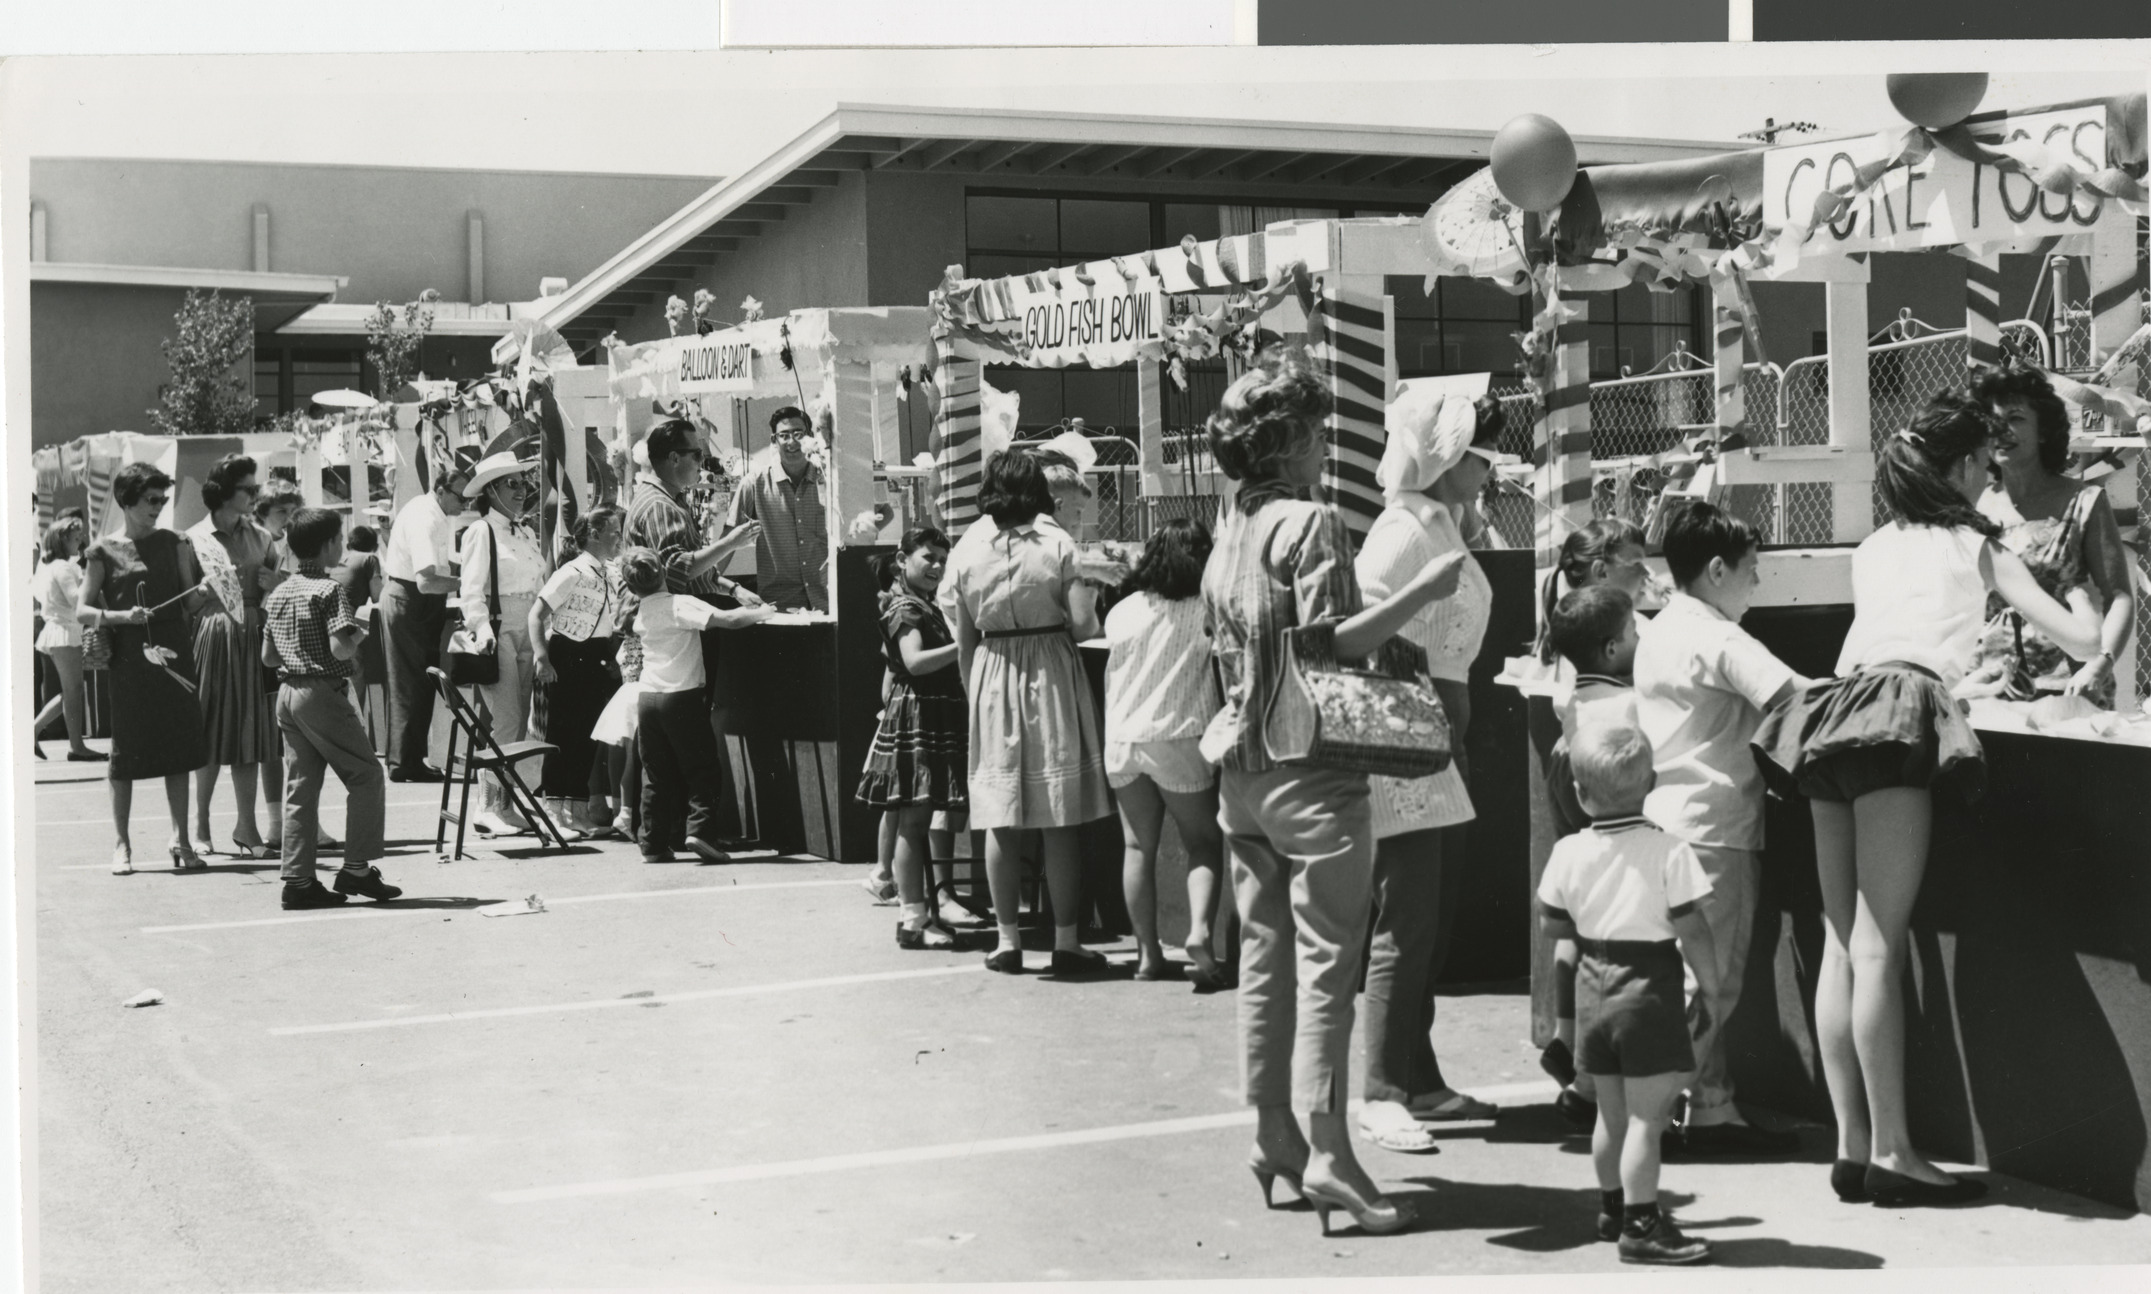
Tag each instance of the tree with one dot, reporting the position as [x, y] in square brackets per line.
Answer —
[392, 344]
[211, 392]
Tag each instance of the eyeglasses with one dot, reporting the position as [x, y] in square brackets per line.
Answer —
[790, 436]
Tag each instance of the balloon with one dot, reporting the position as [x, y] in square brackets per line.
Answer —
[1534, 162]
[1936, 100]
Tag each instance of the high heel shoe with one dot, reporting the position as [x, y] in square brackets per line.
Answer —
[1384, 1219]
[184, 859]
[1896, 1191]
[1266, 1175]
[1848, 1178]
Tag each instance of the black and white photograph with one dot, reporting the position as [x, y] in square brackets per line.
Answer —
[817, 666]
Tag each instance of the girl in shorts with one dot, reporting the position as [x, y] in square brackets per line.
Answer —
[1870, 747]
[1160, 693]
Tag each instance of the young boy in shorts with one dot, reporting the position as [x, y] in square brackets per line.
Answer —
[1702, 685]
[1625, 891]
[1594, 629]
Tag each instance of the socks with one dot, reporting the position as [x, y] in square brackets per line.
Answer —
[1639, 1219]
[1011, 937]
[1610, 1203]
[1066, 939]
[915, 915]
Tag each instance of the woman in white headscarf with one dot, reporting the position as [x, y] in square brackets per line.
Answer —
[1439, 455]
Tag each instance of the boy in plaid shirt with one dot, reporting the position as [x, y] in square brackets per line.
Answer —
[312, 641]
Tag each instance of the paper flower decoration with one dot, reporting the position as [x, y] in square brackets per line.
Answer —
[750, 310]
[703, 302]
[675, 314]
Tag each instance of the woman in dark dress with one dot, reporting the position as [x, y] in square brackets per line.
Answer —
[140, 586]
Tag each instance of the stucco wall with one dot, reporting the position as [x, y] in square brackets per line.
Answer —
[95, 359]
[393, 231]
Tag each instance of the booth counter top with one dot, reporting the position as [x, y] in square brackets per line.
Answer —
[2028, 1031]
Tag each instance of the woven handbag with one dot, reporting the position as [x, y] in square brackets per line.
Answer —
[1381, 718]
[96, 647]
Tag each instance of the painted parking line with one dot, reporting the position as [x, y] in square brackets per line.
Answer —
[947, 1150]
[674, 892]
[604, 1003]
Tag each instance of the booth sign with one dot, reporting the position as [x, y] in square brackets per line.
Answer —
[721, 362]
[1104, 326]
[1943, 200]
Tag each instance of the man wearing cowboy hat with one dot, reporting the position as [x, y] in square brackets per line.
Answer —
[418, 567]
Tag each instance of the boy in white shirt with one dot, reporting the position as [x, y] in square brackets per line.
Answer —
[1624, 890]
[677, 747]
[1702, 684]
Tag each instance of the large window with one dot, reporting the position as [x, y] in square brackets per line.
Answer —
[289, 377]
[1468, 326]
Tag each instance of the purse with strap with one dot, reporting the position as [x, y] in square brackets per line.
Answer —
[1381, 718]
[468, 666]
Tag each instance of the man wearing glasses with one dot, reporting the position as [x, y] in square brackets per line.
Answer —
[660, 518]
[791, 558]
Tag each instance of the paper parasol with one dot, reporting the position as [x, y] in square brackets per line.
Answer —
[345, 399]
[1472, 232]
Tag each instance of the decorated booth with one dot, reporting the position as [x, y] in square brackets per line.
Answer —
[784, 687]
[2029, 1049]
[1319, 283]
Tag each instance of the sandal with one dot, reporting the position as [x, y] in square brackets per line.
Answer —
[1391, 1126]
[1450, 1107]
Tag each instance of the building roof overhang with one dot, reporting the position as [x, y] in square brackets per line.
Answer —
[1325, 164]
[277, 296]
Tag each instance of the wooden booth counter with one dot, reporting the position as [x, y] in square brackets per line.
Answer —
[2028, 1010]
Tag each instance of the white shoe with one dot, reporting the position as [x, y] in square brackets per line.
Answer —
[493, 824]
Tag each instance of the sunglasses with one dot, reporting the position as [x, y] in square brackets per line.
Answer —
[156, 500]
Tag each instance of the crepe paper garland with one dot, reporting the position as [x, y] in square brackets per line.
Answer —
[1534, 162]
[1936, 100]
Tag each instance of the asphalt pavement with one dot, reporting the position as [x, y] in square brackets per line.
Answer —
[679, 1075]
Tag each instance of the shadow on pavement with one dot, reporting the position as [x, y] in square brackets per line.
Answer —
[1766, 1251]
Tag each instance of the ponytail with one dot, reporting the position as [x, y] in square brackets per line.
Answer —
[1911, 465]
[1584, 547]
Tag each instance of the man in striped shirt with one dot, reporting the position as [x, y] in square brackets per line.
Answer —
[660, 518]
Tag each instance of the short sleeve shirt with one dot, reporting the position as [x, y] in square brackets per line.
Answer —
[585, 598]
[902, 614]
[670, 626]
[791, 555]
[1701, 685]
[1621, 878]
[1159, 683]
[301, 614]
[422, 536]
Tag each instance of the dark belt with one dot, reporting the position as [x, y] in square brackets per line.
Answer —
[311, 680]
[991, 634]
[1628, 948]
[412, 586]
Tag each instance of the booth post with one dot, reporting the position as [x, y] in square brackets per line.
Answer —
[1983, 307]
[1150, 429]
[959, 466]
[1562, 442]
[1845, 343]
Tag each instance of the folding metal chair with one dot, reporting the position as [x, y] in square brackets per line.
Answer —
[482, 754]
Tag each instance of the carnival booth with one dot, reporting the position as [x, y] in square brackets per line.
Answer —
[784, 687]
[2030, 1045]
[1317, 282]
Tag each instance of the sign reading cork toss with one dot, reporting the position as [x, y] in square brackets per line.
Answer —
[1943, 200]
[718, 362]
[1103, 326]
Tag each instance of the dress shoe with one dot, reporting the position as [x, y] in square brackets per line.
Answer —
[312, 894]
[1078, 963]
[423, 773]
[1896, 1191]
[1663, 1245]
[1849, 1179]
[366, 885]
[1579, 1112]
[1558, 1062]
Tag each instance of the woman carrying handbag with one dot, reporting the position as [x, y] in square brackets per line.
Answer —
[1300, 834]
[502, 571]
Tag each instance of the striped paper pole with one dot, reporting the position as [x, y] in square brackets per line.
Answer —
[1730, 334]
[1348, 340]
[1562, 439]
[1983, 308]
[958, 464]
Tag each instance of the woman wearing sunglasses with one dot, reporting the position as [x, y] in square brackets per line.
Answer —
[1438, 458]
[502, 571]
[139, 586]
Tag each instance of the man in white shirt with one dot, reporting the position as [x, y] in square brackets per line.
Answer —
[418, 572]
[1702, 685]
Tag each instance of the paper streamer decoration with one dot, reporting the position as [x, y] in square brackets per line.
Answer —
[959, 466]
[1983, 308]
[1348, 340]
